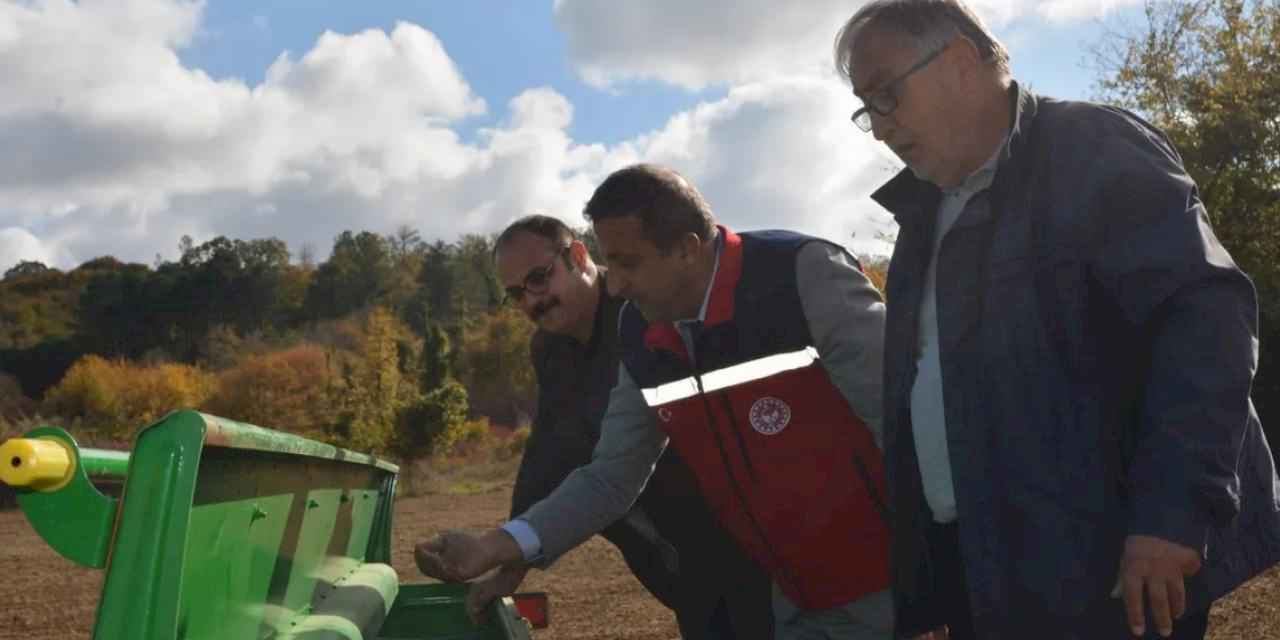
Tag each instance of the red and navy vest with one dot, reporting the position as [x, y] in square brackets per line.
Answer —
[777, 451]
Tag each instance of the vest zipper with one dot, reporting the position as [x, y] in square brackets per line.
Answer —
[737, 432]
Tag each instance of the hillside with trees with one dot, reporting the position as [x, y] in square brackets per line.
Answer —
[390, 345]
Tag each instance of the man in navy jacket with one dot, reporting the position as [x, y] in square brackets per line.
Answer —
[1070, 445]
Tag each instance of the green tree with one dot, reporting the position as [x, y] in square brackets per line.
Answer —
[429, 425]
[114, 317]
[1208, 73]
[474, 270]
[435, 298]
[236, 282]
[407, 252]
[375, 387]
[25, 268]
[435, 369]
[495, 366]
[357, 275]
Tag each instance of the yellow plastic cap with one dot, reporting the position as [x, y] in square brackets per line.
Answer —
[35, 463]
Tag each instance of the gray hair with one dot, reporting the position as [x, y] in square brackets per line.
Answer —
[930, 24]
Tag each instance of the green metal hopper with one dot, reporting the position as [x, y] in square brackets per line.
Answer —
[229, 531]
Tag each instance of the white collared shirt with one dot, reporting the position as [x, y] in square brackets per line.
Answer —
[683, 326]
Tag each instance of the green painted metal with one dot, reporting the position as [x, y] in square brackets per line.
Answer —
[241, 435]
[104, 464]
[249, 526]
[364, 506]
[76, 519]
[227, 530]
[230, 554]
[438, 612]
[310, 554]
[380, 537]
[140, 595]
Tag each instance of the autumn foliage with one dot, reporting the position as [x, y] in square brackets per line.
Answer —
[495, 365]
[290, 390]
[116, 397]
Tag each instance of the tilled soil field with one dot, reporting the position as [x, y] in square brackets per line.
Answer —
[44, 597]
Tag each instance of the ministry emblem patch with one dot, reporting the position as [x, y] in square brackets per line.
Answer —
[769, 416]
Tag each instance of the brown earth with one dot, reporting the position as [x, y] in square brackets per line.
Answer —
[45, 597]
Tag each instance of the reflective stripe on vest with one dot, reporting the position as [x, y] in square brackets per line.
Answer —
[730, 376]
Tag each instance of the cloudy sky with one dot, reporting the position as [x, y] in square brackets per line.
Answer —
[125, 124]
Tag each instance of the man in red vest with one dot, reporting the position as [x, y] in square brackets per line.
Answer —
[669, 539]
[757, 356]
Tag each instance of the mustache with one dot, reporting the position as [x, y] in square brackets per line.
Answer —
[543, 307]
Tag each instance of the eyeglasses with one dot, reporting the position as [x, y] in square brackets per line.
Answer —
[885, 99]
[537, 281]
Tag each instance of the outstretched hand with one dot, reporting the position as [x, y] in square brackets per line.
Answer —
[457, 556]
[502, 583]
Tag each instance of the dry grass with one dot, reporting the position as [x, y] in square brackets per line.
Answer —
[481, 474]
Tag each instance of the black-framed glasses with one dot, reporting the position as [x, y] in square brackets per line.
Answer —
[885, 99]
[538, 280]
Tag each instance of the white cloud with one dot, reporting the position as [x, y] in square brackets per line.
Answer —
[758, 169]
[113, 146]
[693, 44]
[17, 244]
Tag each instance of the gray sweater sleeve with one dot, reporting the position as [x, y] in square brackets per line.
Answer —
[601, 492]
[845, 313]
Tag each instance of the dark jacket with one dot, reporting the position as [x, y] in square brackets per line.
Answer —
[1097, 349]
[670, 540]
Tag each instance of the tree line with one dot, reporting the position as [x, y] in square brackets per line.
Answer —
[389, 345]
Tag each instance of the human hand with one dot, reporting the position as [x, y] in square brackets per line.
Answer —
[1159, 568]
[456, 556]
[502, 583]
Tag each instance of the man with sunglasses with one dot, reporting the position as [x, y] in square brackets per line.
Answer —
[1071, 450]
[669, 539]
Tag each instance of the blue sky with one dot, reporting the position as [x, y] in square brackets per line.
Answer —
[504, 47]
[133, 122]
[501, 47]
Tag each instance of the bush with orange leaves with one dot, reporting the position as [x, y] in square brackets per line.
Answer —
[287, 390]
[117, 397]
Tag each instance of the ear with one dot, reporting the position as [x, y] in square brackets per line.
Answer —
[691, 245]
[579, 256]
